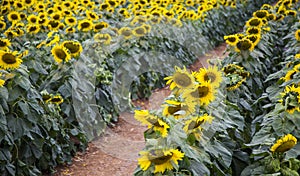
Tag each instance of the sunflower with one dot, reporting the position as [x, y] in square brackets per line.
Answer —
[231, 39]
[212, 74]
[2, 25]
[14, 16]
[92, 15]
[261, 13]
[53, 25]
[126, 32]
[162, 160]
[9, 60]
[32, 19]
[201, 93]
[178, 109]
[181, 79]
[254, 38]
[253, 30]
[289, 75]
[2, 82]
[60, 53]
[142, 116]
[291, 99]
[33, 29]
[71, 21]
[284, 144]
[244, 45]
[103, 38]
[28, 3]
[74, 47]
[19, 6]
[254, 21]
[46, 96]
[4, 44]
[161, 127]
[139, 31]
[99, 26]
[297, 35]
[271, 17]
[70, 30]
[193, 125]
[57, 99]
[85, 25]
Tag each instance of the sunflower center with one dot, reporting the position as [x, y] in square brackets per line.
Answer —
[231, 39]
[253, 31]
[285, 146]
[60, 54]
[158, 157]
[140, 31]
[255, 22]
[73, 48]
[55, 100]
[200, 92]
[126, 33]
[182, 80]
[173, 109]
[261, 14]
[99, 26]
[14, 16]
[71, 20]
[46, 97]
[2, 43]
[85, 25]
[194, 124]
[210, 77]
[253, 38]
[32, 29]
[1, 25]
[9, 58]
[54, 24]
[56, 17]
[244, 45]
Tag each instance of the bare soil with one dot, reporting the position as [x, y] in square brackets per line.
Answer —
[115, 153]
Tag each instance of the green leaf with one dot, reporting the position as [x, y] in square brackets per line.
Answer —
[3, 93]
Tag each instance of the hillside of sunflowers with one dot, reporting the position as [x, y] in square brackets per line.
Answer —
[68, 68]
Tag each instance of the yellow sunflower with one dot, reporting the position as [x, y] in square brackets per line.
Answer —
[193, 125]
[99, 26]
[85, 25]
[103, 38]
[33, 29]
[284, 144]
[139, 31]
[60, 53]
[32, 19]
[74, 47]
[297, 35]
[231, 39]
[261, 13]
[254, 38]
[2, 25]
[126, 32]
[142, 116]
[291, 99]
[290, 75]
[70, 30]
[254, 21]
[57, 99]
[202, 93]
[181, 79]
[253, 30]
[162, 160]
[14, 16]
[71, 21]
[161, 127]
[178, 109]
[9, 60]
[211, 74]
[244, 45]
[4, 44]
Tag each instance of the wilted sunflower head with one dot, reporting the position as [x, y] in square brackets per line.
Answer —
[74, 47]
[284, 144]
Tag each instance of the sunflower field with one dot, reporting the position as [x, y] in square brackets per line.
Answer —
[69, 67]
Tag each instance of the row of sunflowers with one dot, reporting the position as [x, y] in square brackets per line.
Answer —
[239, 116]
[56, 56]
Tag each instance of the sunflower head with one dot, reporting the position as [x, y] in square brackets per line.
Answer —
[202, 93]
[244, 45]
[9, 60]
[85, 25]
[297, 35]
[254, 22]
[210, 74]
[291, 99]
[253, 30]
[126, 32]
[4, 43]
[103, 38]
[231, 39]
[261, 13]
[181, 79]
[60, 54]
[56, 99]
[74, 47]
[284, 144]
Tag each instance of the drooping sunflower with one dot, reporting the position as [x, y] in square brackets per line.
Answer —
[9, 60]
[235, 76]
[297, 35]
[85, 25]
[193, 125]
[284, 144]
[291, 99]
[202, 93]
[60, 54]
[4, 44]
[181, 79]
[71, 21]
[231, 39]
[56, 99]
[211, 74]
[244, 45]
[162, 160]
[74, 47]
[178, 109]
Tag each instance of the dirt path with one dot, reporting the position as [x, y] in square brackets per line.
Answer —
[116, 152]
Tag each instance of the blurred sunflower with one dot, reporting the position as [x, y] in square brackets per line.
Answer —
[126, 32]
[291, 13]
[70, 30]
[284, 144]
[92, 15]
[162, 160]
[297, 35]
[231, 39]
[254, 38]
[85, 25]
[139, 31]
[289, 75]
[201, 93]
[53, 25]
[244, 45]
[178, 109]
[254, 22]
[14, 16]
[103, 38]
[211, 74]
[71, 21]
[74, 47]
[253, 30]
[193, 125]
[60, 53]
[291, 99]
[271, 17]
[9, 60]
[56, 99]
[181, 79]
[2, 25]
[4, 44]
[32, 19]
[33, 29]
[99, 26]
[261, 13]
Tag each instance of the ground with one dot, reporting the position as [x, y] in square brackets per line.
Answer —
[116, 152]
